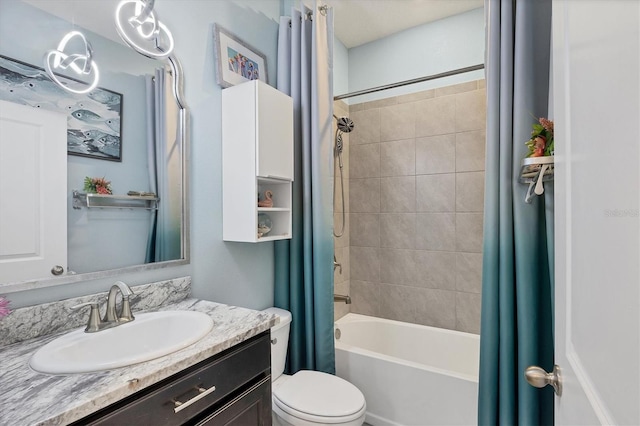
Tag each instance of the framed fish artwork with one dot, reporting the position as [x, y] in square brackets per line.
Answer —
[94, 126]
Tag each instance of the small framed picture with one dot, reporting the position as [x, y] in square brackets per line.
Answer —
[236, 61]
[94, 122]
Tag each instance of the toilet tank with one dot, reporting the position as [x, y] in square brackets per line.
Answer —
[279, 341]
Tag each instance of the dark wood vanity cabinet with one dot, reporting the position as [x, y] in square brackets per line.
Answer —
[230, 388]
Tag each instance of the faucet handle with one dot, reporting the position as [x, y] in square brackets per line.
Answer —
[125, 310]
[94, 322]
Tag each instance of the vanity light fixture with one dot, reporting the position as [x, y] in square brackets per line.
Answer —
[138, 25]
[81, 64]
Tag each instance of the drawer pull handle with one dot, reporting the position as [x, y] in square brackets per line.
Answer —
[182, 405]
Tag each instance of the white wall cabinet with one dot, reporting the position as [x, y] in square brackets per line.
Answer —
[257, 155]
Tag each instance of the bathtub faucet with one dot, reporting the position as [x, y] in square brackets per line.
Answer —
[336, 264]
[342, 298]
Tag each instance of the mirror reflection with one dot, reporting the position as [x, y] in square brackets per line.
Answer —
[124, 151]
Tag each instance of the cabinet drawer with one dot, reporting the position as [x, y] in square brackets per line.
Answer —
[193, 389]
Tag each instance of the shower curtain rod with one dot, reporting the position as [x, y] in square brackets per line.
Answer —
[407, 82]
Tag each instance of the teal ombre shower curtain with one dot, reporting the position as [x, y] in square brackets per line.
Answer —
[303, 265]
[517, 281]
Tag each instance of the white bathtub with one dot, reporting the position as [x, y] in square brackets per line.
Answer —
[409, 374]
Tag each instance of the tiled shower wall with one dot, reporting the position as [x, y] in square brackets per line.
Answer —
[341, 244]
[415, 208]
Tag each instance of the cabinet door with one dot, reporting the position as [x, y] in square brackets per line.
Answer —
[274, 138]
[253, 407]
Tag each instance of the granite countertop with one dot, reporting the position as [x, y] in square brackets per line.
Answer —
[32, 398]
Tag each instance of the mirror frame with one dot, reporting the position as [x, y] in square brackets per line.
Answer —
[185, 240]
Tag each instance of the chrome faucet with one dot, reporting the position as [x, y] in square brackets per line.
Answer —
[342, 298]
[125, 314]
[111, 317]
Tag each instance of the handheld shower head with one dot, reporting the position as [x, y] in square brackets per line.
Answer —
[345, 124]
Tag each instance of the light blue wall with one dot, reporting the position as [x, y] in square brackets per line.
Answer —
[235, 273]
[340, 68]
[436, 47]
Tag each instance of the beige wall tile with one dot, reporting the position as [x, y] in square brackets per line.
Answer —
[411, 271]
[397, 122]
[364, 264]
[436, 269]
[470, 110]
[468, 307]
[340, 108]
[398, 302]
[379, 103]
[457, 88]
[341, 287]
[342, 241]
[436, 308]
[470, 151]
[340, 309]
[365, 229]
[365, 298]
[469, 272]
[364, 195]
[398, 158]
[470, 192]
[436, 116]
[397, 266]
[398, 230]
[436, 231]
[436, 193]
[366, 127]
[364, 161]
[469, 232]
[418, 96]
[482, 84]
[436, 154]
[398, 194]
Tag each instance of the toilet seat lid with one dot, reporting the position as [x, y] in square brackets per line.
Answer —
[310, 395]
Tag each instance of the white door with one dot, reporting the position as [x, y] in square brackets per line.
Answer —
[33, 192]
[596, 53]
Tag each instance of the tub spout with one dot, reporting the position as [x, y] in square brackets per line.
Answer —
[342, 298]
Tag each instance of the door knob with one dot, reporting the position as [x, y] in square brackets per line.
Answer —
[57, 270]
[539, 378]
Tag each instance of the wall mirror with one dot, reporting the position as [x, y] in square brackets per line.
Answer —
[140, 147]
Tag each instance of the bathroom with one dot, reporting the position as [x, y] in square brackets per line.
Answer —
[243, 274]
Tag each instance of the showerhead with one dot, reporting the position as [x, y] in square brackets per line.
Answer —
[345, 124]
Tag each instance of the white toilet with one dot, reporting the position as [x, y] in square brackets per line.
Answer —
[309, 398]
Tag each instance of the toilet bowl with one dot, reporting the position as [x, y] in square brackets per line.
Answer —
[309, 397]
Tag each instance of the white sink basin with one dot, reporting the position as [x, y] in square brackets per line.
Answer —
[149, 336]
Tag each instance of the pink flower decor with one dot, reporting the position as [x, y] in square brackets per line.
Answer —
[4, 307]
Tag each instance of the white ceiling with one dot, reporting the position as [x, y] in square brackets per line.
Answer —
[358, 22]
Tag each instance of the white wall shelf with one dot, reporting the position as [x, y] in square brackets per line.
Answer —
[257, 156]
[109, 201]
[535, 171]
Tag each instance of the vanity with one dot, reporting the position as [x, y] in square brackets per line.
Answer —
[224, 378]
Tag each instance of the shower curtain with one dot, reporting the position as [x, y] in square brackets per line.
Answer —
[517, 282]
[163, 161]
[303, 265]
